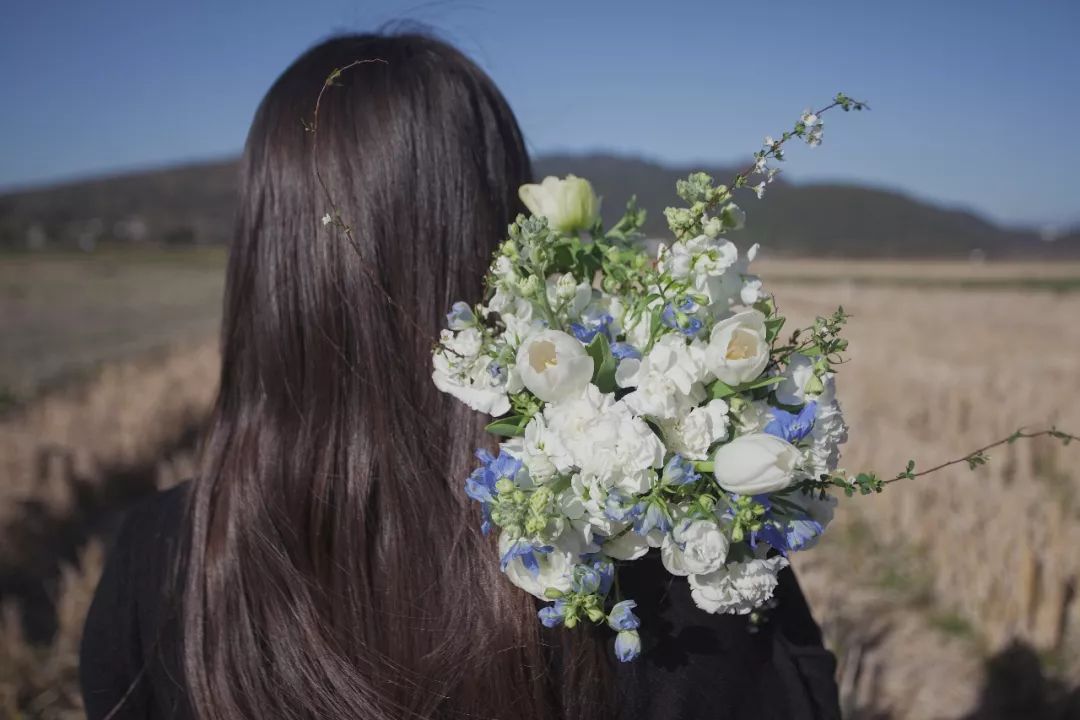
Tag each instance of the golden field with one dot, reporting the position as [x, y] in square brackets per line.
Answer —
[952, 596]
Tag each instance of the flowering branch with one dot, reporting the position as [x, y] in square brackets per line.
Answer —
[809, 127]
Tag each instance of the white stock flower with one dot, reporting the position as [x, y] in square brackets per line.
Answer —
[738, 351]
[753, 417]
[667, 381]
[554, 366]
[530, 448]
[828, 434]
[461, 369]
[694, 547]
[697, 259]
[737, 588]
[567, 296]
[800, 383]
[569, 204]
[554, 569]
[755, 464]
[694, 433]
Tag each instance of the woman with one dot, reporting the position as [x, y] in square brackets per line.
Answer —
[326, 564]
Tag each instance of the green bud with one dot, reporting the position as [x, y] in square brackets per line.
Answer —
[553, 593]
[595, 614]
[504, 486]
[530, 286]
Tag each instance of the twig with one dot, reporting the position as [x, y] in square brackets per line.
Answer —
[313, 128]
[978, 457]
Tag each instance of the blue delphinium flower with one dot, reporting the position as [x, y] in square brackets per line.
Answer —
[651, 516]
[528, 553]
[553, 615]
[606, 569]
[591, 325]
[480, 485]
[801, 531]
[680, 317]
[585, 580]
[792, 427]
[627, 645]
[460, 316]
[622, 616]
[624, 351]
[679, 471]
[618, 506]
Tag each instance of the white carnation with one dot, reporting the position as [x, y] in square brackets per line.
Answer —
[600, 436]
[737, 588]
[668, 381]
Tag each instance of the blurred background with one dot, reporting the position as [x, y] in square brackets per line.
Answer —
[946, 219]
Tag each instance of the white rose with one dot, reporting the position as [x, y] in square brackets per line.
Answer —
[755, 464]
[737, 351]
[555, 570]
[554, 366]
[568, 204]
[737, 588]
[694, 547]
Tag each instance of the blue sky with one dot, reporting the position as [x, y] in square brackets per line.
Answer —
[975, 103]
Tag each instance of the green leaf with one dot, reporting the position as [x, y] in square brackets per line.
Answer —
[761, 382]
[603, 363]
[720, 389]
[508, 426]
[773, 327]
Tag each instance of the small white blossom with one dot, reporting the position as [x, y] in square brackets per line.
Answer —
[326, 219]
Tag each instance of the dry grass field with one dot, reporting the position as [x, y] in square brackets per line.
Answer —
[954, 596]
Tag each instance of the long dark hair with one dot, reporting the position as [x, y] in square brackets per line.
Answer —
[334, 569]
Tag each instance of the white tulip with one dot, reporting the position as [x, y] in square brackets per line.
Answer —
[568, 204]
[554, 366]
[738, 351]
[755, 464]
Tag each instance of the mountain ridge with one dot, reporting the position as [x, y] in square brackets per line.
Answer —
[193, 203]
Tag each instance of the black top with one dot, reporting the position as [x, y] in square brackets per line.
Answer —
[695, 665]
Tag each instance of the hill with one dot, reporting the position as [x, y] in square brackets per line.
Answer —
[194, 204]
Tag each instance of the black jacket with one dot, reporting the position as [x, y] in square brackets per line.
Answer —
[694, 665]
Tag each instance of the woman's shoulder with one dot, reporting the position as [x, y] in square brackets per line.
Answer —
[158, 515]
[129, 650]
[695, 660]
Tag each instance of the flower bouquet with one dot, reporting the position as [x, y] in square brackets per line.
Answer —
[649, 402]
